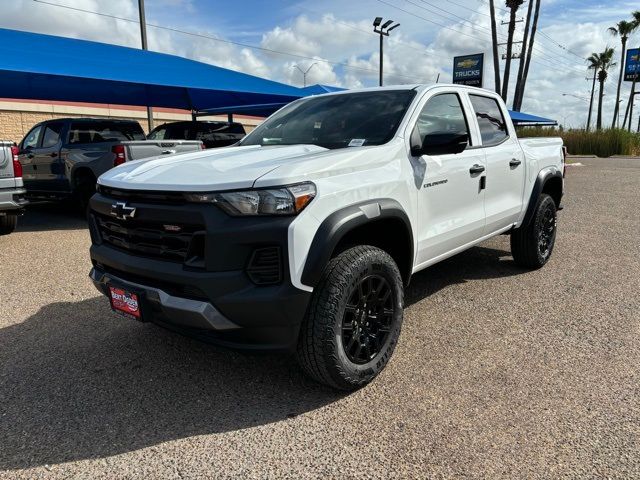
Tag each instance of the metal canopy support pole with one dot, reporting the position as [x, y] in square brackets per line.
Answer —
[230, 117]
[143, 35]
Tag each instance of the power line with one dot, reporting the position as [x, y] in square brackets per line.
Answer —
[477, 25]
[217, 39]
[485, 41]
[395, 41]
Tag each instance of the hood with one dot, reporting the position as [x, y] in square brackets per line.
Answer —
[217, 169]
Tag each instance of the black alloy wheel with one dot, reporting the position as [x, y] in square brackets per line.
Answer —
[367, 319]
[547, 232]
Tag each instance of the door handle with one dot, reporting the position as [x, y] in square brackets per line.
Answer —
[53, 154]
[476, 169]
[514, 162]
[30, 155]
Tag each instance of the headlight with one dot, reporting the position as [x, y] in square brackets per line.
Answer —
[289, 200]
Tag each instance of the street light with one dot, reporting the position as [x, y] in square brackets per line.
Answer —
[143, 36]
[304, 72]
[383, 30]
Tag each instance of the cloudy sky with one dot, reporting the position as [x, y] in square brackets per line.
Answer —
[269, 38]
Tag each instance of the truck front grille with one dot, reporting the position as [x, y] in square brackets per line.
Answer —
[163, 198]
[169, 242]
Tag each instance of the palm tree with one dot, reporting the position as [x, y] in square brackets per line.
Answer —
[594, 64]
[605, 61]
[622, 29]
[528, 54]
[513, 6]
[494, 42]
[523, 55]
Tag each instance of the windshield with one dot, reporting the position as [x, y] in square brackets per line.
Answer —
[336, 121]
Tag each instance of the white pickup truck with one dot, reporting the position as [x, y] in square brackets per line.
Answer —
[12, 192]
[303, 236]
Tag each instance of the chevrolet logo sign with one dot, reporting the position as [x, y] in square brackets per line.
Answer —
[122, 211]
[468, 63]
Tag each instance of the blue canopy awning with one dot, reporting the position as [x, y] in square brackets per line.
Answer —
[46, 67]
[264, 110]
[524, 120]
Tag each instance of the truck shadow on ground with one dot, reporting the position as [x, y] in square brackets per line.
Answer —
[47, 216]
[478, 263]
[80, 383]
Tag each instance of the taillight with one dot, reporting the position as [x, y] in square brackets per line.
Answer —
[120, 155]
[202, 147]
[17, 166]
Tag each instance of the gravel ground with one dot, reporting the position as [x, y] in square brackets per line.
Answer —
[499, 373]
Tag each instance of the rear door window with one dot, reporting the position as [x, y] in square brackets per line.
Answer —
[51, 135]
[158, 134]
[493, 127]
[33, 138]
[104, 131]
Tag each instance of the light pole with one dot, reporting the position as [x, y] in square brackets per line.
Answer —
[143, 35]
[304, 72]
[383, 30]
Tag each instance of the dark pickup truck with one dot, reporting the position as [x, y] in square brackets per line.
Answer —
[213, 134]
[63, 158]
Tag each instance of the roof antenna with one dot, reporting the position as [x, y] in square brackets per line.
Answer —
[438, 79]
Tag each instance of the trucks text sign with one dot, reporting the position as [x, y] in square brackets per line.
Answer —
[468, 70]
[632, 65]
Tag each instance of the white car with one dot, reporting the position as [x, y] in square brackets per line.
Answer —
[303, 236]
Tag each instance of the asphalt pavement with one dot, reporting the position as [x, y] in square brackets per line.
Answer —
[499, 373]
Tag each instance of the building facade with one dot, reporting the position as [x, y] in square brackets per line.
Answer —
[17, 117]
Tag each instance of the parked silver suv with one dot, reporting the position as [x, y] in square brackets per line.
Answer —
[12, 192]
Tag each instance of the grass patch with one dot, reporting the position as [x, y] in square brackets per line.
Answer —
[603, 143]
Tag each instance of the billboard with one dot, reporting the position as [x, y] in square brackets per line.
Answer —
[631, 65]
[468, 70]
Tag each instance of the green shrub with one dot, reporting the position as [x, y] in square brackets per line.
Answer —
[603, 143]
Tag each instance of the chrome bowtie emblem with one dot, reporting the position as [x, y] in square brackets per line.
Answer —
[122, 211]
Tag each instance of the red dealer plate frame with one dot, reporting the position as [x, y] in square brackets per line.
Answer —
[125, 302]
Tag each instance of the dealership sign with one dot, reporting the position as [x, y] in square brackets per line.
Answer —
[468, 70]
[632, 66]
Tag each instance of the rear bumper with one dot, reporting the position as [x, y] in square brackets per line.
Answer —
[12, 201]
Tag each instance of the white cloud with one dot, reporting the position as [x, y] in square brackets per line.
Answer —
[346, 50]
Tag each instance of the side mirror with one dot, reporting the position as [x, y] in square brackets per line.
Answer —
[442, 144]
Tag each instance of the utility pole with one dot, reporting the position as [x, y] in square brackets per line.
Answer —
[383, 30]
[143, 35]
[304, 72]
[494, 49]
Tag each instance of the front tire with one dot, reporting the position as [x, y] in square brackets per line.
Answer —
[532, 244]
[354, 319]
[8, 224]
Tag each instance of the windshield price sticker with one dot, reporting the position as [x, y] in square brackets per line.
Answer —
[357, 142]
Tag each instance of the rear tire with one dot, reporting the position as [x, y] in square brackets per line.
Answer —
[84, 191]
[8, 224]
[354, 319]
[532, 244]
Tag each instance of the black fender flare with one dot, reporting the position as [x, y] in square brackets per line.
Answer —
[543, 177]
[339, 223]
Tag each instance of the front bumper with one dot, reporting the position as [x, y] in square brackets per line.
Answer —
[214, 297]
[13, 201]
[190, 313]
